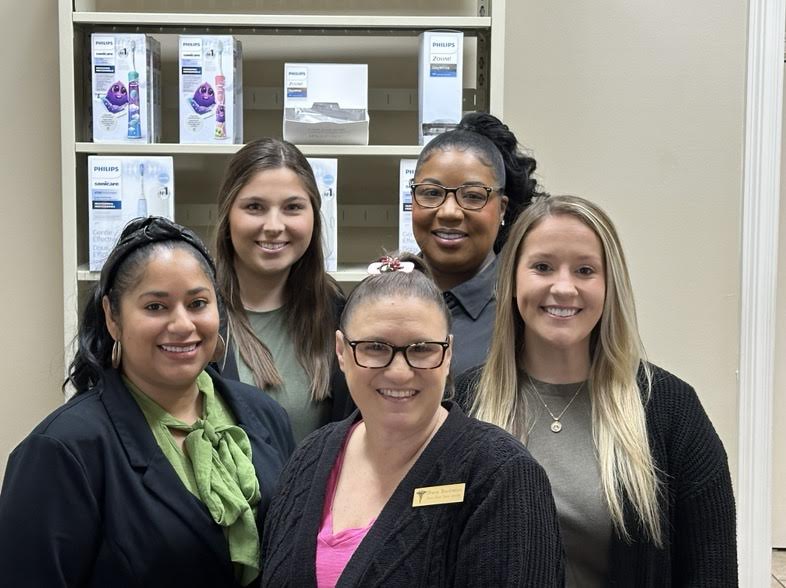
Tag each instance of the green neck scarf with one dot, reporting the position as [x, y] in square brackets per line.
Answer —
[218, 454]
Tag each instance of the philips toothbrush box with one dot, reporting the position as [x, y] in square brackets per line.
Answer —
[440, 82]
[211, 89]
[123, 188]
[326, 103]
[326, 174]
[125, 87]
[406, 238]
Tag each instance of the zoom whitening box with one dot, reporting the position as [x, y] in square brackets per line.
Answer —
[406, 238]
[123, 188]
[326, 175]
[126, 88]
[326, 103]
[440, 82]
[211, 89]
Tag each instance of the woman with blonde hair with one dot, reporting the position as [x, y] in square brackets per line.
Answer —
[282, 306]
[639, 475]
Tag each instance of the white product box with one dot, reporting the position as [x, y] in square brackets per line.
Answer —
[440, 87]
[121, 189]
[326, 103]
[406, 238]
[211, 89]
[126, 88]
[326, 174]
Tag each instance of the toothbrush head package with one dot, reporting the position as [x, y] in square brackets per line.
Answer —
[122, 188]
[211, 89]
[125, 88]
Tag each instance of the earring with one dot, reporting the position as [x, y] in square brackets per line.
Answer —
[502, 223]
[117, 353]
[221, 346]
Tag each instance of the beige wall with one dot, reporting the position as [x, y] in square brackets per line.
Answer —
[31, 315]
[640, 107]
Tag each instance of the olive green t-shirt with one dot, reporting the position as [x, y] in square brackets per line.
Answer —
[295, 392]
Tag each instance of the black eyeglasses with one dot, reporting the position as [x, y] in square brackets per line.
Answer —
[424, 355]
[468, 197]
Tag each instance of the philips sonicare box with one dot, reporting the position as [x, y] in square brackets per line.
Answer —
[123, 188]
[406, 238]
[126, 88]
[211, 89]
[326, 174]
[326, 103]
[440, 87]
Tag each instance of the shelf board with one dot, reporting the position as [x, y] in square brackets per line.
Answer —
[213, 149]
[348, 273]
[356, 23]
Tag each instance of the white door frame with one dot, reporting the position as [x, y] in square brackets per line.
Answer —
[761, 195]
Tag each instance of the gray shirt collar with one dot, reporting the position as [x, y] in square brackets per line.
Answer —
[474, 294]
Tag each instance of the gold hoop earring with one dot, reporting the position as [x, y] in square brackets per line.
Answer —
[218, 354]
[117, 354]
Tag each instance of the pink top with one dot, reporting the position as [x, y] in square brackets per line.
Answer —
[335, 550]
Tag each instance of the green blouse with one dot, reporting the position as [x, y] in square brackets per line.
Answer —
[215, 465]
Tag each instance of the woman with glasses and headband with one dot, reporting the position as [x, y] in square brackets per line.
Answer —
[639, 474]
[408, 491]
[157, 472]
[469, 186]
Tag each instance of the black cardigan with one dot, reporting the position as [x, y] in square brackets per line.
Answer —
[504, 533]
[697, 502]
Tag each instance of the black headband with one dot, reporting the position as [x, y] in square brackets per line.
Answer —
[144, 231]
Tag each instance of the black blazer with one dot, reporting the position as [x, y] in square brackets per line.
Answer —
[89, 499]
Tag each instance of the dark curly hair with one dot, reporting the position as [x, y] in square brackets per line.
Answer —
[498, 148]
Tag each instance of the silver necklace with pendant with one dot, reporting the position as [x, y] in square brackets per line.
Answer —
[556, 424]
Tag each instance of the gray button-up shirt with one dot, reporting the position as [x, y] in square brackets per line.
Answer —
[472, 308]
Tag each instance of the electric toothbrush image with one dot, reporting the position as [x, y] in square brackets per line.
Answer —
[126, 87]
[141, 204]
[134, 116]
[221, 132]
[326, 174]
[122, 188]
[211, 100]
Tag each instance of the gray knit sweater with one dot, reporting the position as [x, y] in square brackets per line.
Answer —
[504, 533]
[697, 502]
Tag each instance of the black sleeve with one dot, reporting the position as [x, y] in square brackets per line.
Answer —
[512, 538]
[50, 523]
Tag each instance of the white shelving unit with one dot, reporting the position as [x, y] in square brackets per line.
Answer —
[345, 31]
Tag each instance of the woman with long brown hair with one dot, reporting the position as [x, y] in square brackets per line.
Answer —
[282, 306]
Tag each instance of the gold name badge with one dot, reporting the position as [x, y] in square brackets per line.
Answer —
[431, 495]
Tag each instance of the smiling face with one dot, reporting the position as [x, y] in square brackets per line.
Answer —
[455, 241]
[167, 324]
[271, 224]
[397, 398]
[560, 286]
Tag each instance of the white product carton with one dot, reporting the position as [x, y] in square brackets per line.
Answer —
[122, 188]
[326, 174]
[211, 89]
[126, 88]
[406, 238]
[326, 103]
[440, 87]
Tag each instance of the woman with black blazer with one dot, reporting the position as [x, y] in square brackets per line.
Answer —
[157, 472]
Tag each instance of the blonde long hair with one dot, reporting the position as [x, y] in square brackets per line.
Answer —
[311, 294]
[619, 427]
